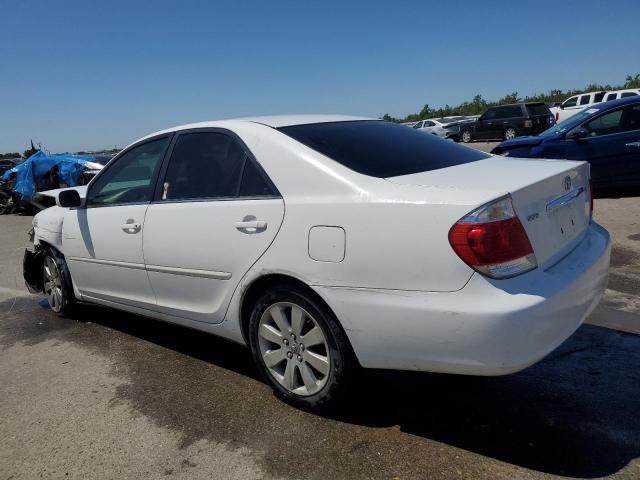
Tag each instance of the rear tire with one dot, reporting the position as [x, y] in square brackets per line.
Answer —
[57, 283]
[510, 133]
[300, 348]
[466, 136]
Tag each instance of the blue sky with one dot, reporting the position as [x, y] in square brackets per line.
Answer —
[87, 74]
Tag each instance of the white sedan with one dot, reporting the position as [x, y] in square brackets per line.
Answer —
[437, 126]
[325, 243]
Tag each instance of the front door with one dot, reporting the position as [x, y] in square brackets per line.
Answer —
[613, 146]
[214, 216]
[486, 125]
[102, 241]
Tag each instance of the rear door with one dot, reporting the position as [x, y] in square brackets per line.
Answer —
[215, 213]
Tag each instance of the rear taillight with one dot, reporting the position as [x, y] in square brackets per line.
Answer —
[528, 123]
[492, 241]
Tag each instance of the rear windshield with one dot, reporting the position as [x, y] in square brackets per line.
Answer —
[540, 109]
[381, 149]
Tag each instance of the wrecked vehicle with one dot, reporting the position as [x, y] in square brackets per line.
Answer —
[21, 184]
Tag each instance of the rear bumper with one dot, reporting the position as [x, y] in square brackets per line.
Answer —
[490, 327]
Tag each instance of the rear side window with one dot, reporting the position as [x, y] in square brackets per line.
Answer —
[539, 109]
[611, 96]
[628, 94]
[254, 183]
[203, 165]
[598, 97]
[511, 111]
[584, 99]
[381, 149]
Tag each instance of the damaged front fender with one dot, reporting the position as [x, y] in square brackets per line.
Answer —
[32, 265]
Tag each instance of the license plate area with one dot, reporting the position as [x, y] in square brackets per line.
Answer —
[567, 220]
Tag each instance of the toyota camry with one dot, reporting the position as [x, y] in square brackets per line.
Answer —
[328, 243]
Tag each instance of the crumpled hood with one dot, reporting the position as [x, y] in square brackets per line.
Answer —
[517, 142]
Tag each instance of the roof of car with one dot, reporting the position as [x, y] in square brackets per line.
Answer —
[616, 103]
[275, 121]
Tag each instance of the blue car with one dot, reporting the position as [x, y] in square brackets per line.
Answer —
[606, 135]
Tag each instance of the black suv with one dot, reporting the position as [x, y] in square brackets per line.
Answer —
[506, 122]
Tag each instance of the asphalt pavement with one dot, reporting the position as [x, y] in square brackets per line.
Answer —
[106, 394]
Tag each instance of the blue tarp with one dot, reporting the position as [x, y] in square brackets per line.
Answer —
[30, 174]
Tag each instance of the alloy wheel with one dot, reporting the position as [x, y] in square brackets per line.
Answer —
[509, 134]
[466, 137]
[294, 348]
[53, 284]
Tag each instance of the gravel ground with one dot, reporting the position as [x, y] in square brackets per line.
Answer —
[111, 395]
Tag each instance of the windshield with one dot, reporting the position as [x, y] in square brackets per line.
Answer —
[381, 149]
[570, 123]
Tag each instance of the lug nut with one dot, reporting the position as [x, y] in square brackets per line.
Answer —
[289, 355]
[285, 341]
[299, 358]
[301, 347]
[293, 337]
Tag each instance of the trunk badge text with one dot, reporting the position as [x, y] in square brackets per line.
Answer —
[567, 183]
[532, 217]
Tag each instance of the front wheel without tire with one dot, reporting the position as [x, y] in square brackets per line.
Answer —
[57, 284]
[299, 348]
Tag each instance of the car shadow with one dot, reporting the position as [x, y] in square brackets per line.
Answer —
[573, 414]
[616, 192]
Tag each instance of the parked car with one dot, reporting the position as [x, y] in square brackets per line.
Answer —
[326, 242]
[606, 135]
[437, 126]
[507, 121]
[576, 103]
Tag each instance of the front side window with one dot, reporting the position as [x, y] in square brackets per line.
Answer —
[628, 94]
[572, 102]
[611, 96]
[584, 99]
[429, 124]
[203, 165]
[606, 124]
[381, 149]
[418, 125]
[598, 97]
[128, 180]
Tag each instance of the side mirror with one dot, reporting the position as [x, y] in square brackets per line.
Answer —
[578, 134]
[69, 199]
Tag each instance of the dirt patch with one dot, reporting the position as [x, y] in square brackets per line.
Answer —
[624, 256]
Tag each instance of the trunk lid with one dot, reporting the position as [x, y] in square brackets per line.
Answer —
[550, 197]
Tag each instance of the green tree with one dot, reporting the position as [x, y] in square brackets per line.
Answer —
[477, 105]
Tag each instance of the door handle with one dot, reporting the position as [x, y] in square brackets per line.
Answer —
[251, 225]
[633, 144]
[131, 226]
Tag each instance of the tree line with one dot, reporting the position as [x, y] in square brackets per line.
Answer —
[478, 104]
